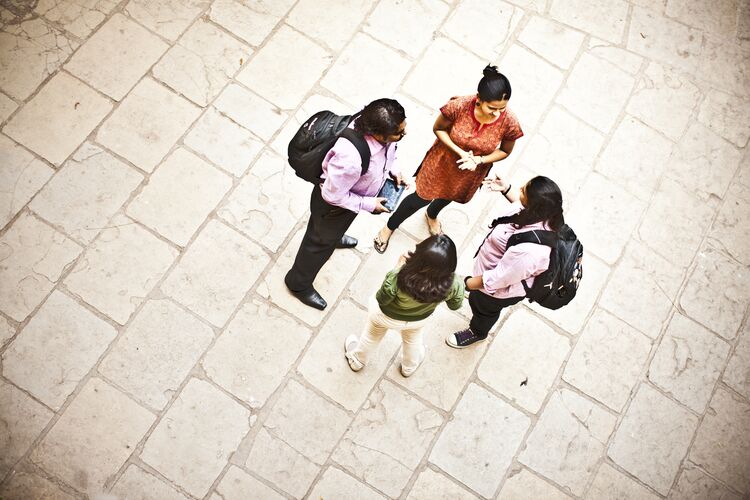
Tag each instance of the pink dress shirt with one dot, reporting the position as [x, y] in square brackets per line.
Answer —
[501, 271]
[344, 186]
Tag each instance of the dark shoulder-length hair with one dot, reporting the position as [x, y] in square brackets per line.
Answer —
[381, 117]
[543, 204]
[428, 273]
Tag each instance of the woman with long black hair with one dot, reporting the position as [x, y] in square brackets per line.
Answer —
[408, 295]
[496, 281]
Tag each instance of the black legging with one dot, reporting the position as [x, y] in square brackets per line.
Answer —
[411, 204]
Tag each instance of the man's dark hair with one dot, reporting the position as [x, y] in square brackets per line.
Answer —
[428, 273]
[381, 117]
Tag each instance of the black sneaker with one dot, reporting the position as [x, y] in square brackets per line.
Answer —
[462, 339]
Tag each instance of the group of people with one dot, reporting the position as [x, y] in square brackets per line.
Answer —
[472, 133]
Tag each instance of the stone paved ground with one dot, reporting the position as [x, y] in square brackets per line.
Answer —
[150, 349]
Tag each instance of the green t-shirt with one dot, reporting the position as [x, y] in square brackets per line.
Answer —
[399, 305]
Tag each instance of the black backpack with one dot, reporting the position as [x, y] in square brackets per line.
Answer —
[313, 140]
[556, 286]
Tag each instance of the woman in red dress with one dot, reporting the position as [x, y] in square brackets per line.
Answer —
[472, 133]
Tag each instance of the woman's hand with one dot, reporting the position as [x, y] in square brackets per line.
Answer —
[467, 160]
[495, 184]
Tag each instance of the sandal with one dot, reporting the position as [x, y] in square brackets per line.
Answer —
[429, 227]
[379, 245]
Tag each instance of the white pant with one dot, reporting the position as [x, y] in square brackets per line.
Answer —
[378, 324]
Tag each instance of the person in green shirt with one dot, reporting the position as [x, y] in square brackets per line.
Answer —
[409, 294]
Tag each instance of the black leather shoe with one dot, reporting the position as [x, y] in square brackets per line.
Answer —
[347, 241]
[311, 298]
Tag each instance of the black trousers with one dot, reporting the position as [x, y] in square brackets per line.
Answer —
[485, 311]
[411, 204]
[325, 228]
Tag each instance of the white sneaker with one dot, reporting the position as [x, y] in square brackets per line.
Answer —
[349, 345]
[408, 372]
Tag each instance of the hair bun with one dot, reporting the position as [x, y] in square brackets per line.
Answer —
[491, 71]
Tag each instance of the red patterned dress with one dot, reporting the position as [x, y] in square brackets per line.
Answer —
[439, 176]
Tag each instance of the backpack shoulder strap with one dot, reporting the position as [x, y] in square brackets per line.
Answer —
[360, 143]
[538, 236]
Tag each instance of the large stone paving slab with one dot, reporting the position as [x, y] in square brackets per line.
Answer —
[722, 444]
[23, 484]
[164, 342]
[725, 114]
[694, 484]
[137, 484]
[33, 257]
[337, 484]
[330, 22]
[250, 110]
[653, 438]
[435, 486]
[477, 446]
[248, 360]
[392, 22]
[57, 120]
[78, 18]
[731, 229]
[195, 439]
[120, 268]
[94, 437]
[737, 372]
[611, 484]
[239, 485]
[387, 439]
[86, 192]
[487, 44]
[525, 484]
[168, 18]
[603, 20]
[655, 36]
[56, 350]
[553, 41]
[568, 441]
[250, 20]
[213, 287]
[116, 56]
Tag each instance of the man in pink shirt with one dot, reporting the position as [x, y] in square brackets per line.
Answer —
[345, 192]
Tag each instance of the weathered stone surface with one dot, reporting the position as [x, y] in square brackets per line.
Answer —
[212, 288]
[463, 73]
[7, 107]
[337, 484]
[477, 446]
[163, 359]
[179, 196]
[596, 91]
[731, 229]
[655, 36]
[268, 202]
[239, 485]
[722, 444]
[33, 256]
[737, 372]
[22, 484]
[86, 192]
[606, 21]
[604, 216]
[251, 20]
[202, 62]
[664, 99]
[635, 157]
[392, 22]
[275, 461]
[285, 68]
[223, 142]
[436, 486]
[694, 484]
[116, 56]
[358, 79]
[610, 484]
[57, 119]
[725, 64]
[23, 419]
[642, 289]
[194, 440]
[387, 439]
[248, 360]
[306, 422]
[653, 438]
[30, 52]
[715, 294]
[725, 114]
[568, 441]
[556, 43]
[487, 44]
[7, 331]
[333, 23]
[94, 437]
[113, 275]
[719, 18]
[147, 124]
[77, 17]
[607, 360]
[169, 18]
[524, 484]
[525, 349]
[247, 109]
[688, 362]
[56, 349]
[626, 61]
[136, 484]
